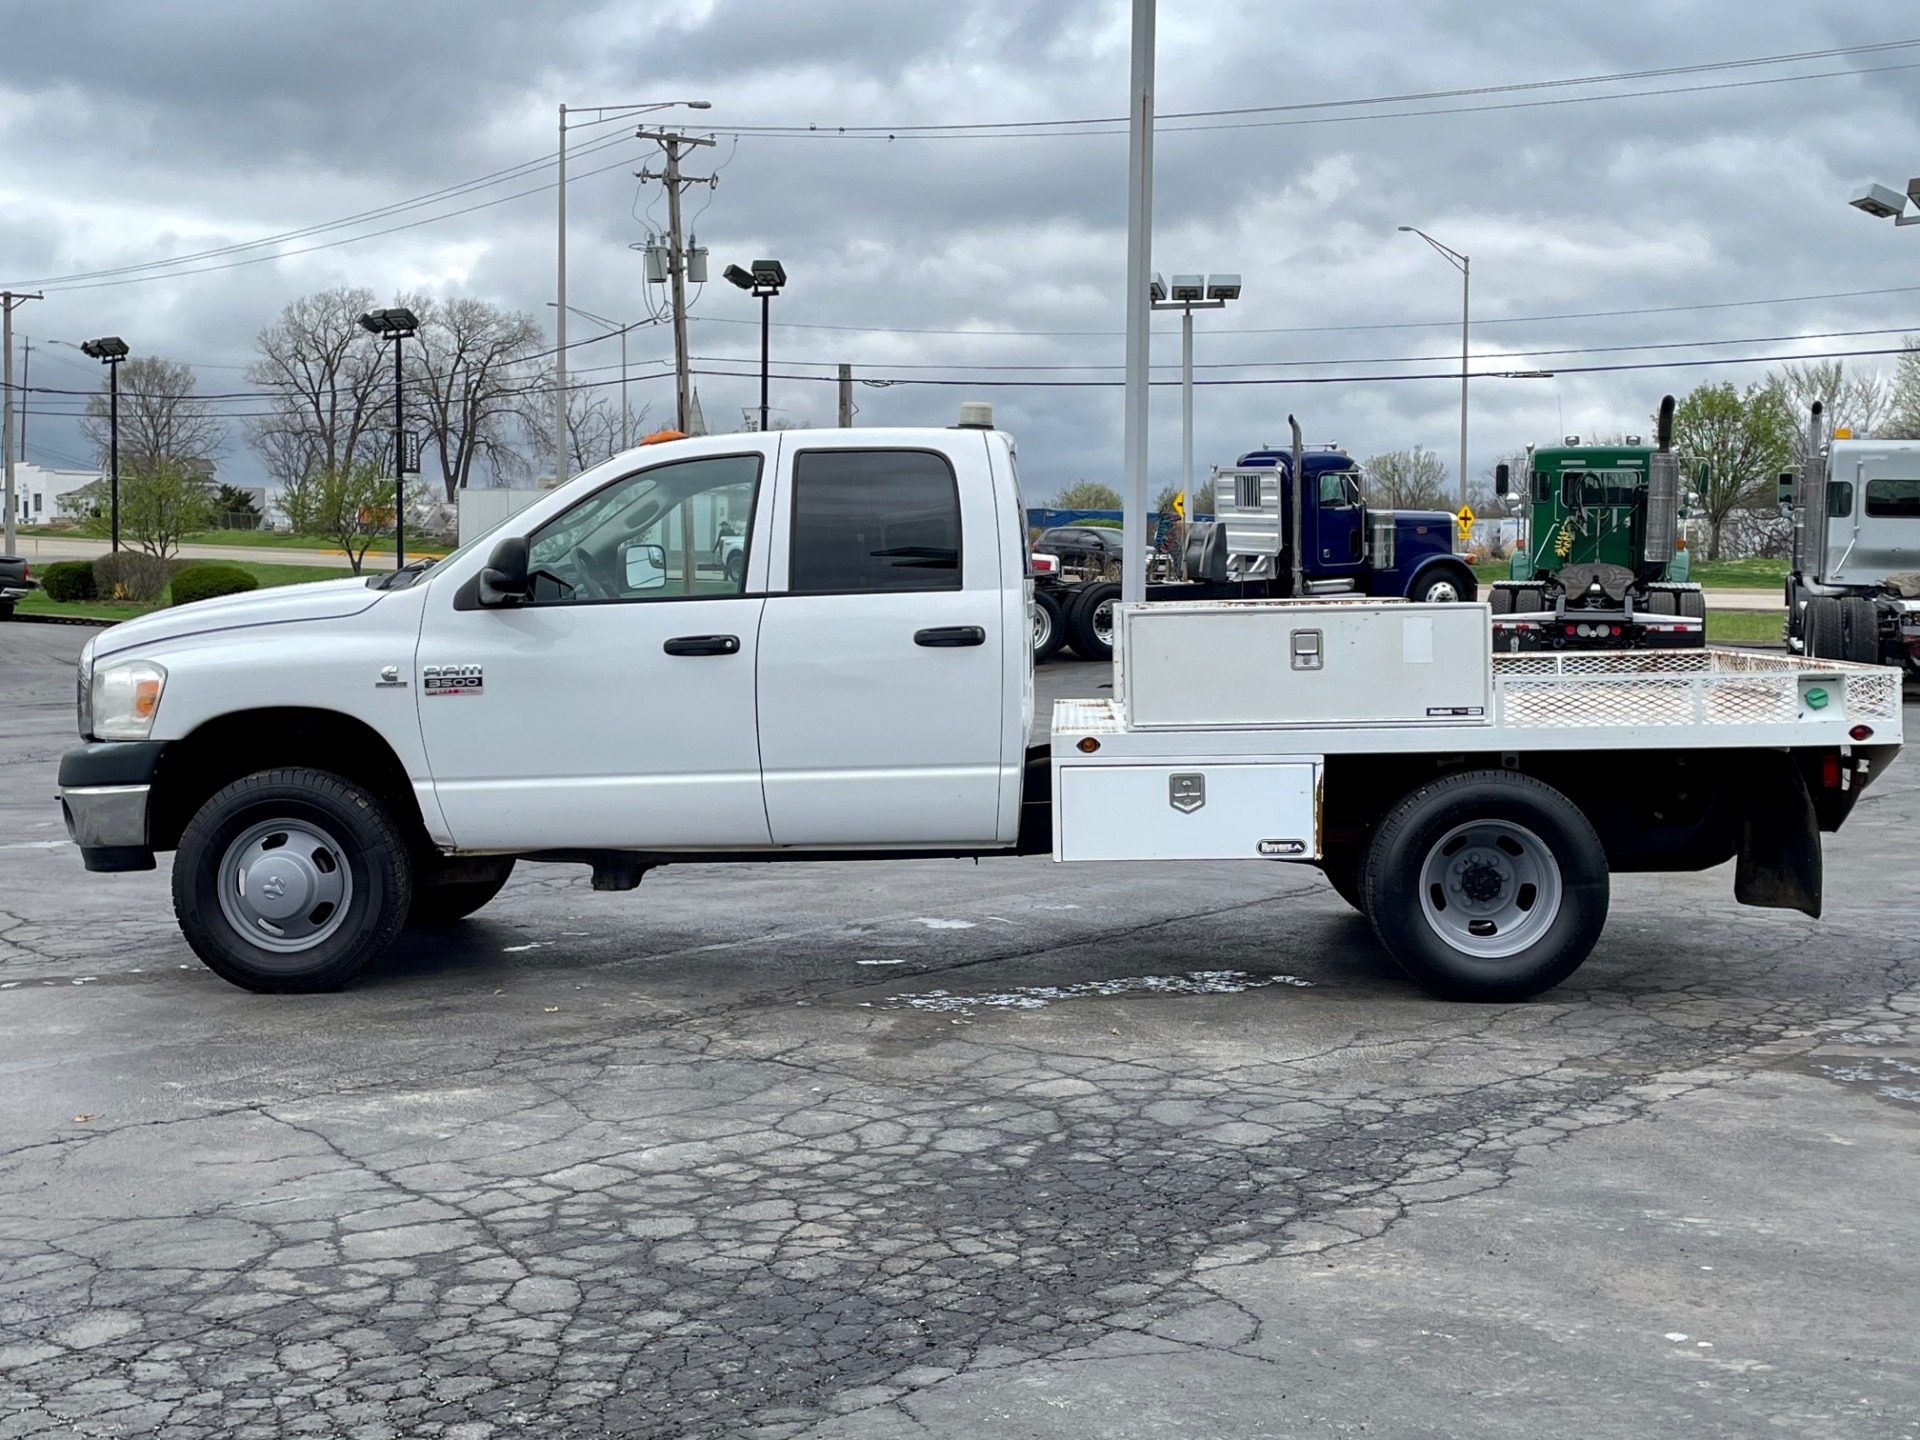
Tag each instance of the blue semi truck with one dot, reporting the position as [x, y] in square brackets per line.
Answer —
[1248, 551]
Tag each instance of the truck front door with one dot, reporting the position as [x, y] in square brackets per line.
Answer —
[1337, 541]
[881, 652]
[616, 708]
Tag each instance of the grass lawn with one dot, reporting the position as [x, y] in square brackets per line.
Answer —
[269, 576]
[1719, 575]
[1745, 627]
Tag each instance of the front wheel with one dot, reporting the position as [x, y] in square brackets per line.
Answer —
[291, 880]
[1486, 885]
[1049, 627]
[1444, 588]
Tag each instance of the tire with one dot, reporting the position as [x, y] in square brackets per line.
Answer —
[1500, 598]
[1824, 629]
[1090, 622]
[1860, 630]
[1693, 603]
[1442, 585]
[1528, 599]
[1049, 627]
[1662, 602]
[736, 568]
[450, 903]
[301, 829]
[1493, 849]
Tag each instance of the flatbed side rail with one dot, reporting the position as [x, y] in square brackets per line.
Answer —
[1685, 687]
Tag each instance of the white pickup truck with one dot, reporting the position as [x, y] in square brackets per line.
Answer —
[333, 761]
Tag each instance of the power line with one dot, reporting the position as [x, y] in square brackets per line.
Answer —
[1617, 77]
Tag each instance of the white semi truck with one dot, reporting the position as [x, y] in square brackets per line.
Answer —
[1854, 588]
[331, 762]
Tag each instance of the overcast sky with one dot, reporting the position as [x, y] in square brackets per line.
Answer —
[135, 133]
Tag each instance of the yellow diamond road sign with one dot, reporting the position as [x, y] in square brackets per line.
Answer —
[1180, 504]
[1463, 517]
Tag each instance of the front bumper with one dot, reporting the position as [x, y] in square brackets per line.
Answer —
[104, 787]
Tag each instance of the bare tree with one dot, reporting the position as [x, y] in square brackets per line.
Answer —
[329, 396]
[1854, 400]
[1903, 395]
[161, 420]
[1413, 479]
[468, 375]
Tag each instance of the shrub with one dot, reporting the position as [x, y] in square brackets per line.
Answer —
[205, 582]
[130, 575]
[68, 580]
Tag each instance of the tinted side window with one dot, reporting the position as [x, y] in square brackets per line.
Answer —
[874, 520]
[1894, 499]
[1839, 499]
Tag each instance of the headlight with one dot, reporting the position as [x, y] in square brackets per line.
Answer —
[125, 700]
[83, 690]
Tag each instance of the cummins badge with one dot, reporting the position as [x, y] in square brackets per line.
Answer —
[1187, 793]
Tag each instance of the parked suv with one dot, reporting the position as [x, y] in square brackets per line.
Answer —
[1081, 547]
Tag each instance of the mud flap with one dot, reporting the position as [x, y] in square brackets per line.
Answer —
[1780, 863]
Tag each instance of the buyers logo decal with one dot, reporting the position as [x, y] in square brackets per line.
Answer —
[452, 680]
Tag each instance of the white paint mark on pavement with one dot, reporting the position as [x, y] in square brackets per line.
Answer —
[933, 924]
[1038, 997]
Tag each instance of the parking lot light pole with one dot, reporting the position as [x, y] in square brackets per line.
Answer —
[1884, 204]
[110, 350]
[765, 280]
[1464, 265]
[1190, 293]
[396, 323]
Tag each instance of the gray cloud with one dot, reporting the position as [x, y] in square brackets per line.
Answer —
[131, 133]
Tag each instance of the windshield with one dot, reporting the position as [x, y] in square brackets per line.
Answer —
[1601, 487]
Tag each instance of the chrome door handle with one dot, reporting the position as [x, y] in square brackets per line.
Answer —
[950, 637]
[703, 645]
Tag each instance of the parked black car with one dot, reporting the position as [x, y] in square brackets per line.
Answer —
[1080, 546]
[15, 581]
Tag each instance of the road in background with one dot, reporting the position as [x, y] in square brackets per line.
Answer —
[936, 1148]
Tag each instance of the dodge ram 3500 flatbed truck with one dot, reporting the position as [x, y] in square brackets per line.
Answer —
[330, 762]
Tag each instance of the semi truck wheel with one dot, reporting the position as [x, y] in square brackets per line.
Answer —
[1825, 631]
[1860, 630]
[1662, 602]
[1486, 885]
[1090, 625]
[451, 902]
[1049, 627]
[1444, 585]
[1693, 603]
[291, 880]
[1500, 599]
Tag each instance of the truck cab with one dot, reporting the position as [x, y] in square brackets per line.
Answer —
[1345, 545]
[1854, 588]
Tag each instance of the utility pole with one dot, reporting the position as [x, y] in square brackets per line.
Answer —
[1133, 533]
[8, 299]
[26, 386]
[672, 142]
[846, 396]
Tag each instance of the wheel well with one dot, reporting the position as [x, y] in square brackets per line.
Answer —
[1460, 571]
[221, 751]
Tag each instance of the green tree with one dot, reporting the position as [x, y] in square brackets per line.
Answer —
[1744, 439]
[1088, 495]
[159, 504]
[352, 505]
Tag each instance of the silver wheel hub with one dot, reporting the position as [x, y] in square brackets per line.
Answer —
[1490, 888]
[1103, 621]
[1442, 592]
[285, 885]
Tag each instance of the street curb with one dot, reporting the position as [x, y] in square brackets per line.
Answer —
[19, 619]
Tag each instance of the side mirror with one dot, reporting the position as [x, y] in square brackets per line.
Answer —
[646, 567]
[1783, 490]
[1502, 478]
[504, 582]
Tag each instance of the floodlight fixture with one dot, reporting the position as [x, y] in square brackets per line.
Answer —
[1880, 202]
[769, 274]
[735, 275]
[1157, 288]
[1223, 287]
[394, 322]
[1189, 287]
[106, 349]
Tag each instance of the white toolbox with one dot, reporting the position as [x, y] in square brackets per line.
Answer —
[1211, 664]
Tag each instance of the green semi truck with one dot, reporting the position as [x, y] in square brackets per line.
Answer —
[1603, 565]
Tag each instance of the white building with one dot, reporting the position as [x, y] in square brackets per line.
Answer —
[38, 491]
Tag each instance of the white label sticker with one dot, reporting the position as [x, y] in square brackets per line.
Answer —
[1416, 640]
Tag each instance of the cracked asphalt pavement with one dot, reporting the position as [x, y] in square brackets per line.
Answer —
[938, 1149]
